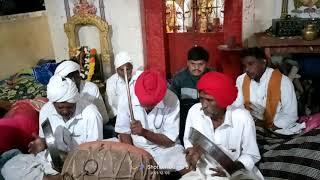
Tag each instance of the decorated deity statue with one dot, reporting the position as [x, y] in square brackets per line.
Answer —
[309, 3]
[174, 18]
[204, 14]
[199, 15]
[87, 59]
[208, 15]
[307, 8]
[84, 7]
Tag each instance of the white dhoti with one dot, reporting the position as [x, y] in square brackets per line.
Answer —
[196, 175]
[203, 172]
[28, 167]
[171, 158]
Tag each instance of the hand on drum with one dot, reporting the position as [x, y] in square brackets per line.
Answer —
[193, 155]
[136, 128]
[37, 145]
[218, 171]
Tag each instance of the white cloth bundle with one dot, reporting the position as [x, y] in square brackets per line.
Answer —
[27, 167]
[60, 89]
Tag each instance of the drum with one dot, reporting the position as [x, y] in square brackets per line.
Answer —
[108, 160]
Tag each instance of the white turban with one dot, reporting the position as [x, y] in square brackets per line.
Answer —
[121, 59]
[67, 67]
[60, 89]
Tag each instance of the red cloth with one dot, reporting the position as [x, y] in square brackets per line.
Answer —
[221, 87]
[312, 121]
[150, 88]
[17, 127]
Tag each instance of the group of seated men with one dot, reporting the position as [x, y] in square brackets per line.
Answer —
[198, 98]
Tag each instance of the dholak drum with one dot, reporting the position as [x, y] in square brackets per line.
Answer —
[107, 160]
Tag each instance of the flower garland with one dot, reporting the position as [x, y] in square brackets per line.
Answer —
[87, 60]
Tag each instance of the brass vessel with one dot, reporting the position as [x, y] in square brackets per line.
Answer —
[310, 32]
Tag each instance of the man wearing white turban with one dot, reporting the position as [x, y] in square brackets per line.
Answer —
[65, 110]
[116, 85]
[88, 90]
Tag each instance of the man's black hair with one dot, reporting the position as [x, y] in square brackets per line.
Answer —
[198, 53]
[256, 52]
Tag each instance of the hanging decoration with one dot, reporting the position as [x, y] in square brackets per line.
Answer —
[194, 15]
[84, 7]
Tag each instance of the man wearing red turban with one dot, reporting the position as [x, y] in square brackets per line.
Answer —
[231, 128]
[155, 127]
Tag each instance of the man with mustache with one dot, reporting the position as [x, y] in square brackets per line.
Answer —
[184, 82]
[154, 122]
[267, 94]
[65, 111]
[116, 86]
[230, 128]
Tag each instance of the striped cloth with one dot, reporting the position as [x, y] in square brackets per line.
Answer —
[289, 157]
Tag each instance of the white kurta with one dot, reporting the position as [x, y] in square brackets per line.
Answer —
[90, 92]
[236, 137]
[116, 87]
[163, 119]
[286, 114]
[85, 126]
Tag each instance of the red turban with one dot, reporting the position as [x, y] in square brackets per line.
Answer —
[150, 88]
[220, 87]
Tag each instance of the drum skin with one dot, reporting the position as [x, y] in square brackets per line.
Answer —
[108, 160]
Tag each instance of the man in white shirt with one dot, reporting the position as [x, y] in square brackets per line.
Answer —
[230, 128]
[88, 90]
[116, 85]
[155, 122]
[267, 94]
[78, 115]
[64, 111]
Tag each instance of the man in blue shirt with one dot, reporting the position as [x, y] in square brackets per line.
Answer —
[184, 82]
